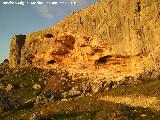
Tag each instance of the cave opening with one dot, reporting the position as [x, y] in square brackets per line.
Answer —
[48, 36]
[51, 62]
[103, 59]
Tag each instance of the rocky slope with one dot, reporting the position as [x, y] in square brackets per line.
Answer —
[108, 40]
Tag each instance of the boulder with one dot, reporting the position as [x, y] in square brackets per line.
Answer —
[74, 92]
[8, 87]
[36, 87]
[35, 116]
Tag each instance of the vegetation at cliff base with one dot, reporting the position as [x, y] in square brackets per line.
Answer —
[91, 107]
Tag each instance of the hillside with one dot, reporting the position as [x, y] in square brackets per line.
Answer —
[21, 101]
[99, 63]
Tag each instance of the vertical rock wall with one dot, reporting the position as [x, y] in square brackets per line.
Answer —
[15, 50]
[116, 37]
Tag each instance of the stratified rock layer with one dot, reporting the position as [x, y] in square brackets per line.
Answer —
[108, 40]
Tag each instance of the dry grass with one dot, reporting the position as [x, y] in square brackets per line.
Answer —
[135, 101]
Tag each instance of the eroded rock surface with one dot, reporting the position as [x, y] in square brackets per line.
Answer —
[106, 41]
[15, 50]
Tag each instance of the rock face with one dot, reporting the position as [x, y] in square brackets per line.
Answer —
[108, 40]
[15, 50]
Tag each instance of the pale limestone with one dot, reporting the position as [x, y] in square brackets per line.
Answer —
[126, 31]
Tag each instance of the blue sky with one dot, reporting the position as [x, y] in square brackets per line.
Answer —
[23, 19]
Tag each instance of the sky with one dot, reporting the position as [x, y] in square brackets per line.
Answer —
[25, 16]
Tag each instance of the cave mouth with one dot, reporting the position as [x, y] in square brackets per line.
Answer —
[48, 36]
[51, 62]
[103, 59]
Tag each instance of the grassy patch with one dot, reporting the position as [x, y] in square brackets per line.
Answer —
[88, 108]
[22, 81]
[83, 108]
[150, 88]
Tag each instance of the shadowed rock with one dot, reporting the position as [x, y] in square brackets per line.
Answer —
[15, 50]
[7, 102]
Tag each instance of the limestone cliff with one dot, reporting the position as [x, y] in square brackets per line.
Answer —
[15, 49]
[107, 40]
